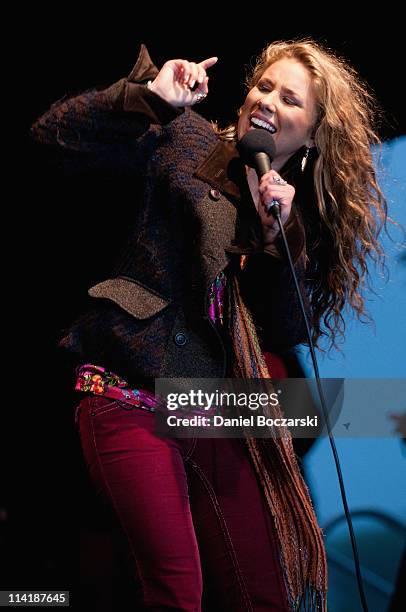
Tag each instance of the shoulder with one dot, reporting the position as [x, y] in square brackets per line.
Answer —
[186, 141]
[192, 128]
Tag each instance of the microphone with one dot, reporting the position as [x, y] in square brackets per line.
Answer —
[257, 150]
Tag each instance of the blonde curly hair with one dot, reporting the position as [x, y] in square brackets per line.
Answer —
[350, 206]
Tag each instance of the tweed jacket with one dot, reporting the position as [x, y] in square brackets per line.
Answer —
[195, 219]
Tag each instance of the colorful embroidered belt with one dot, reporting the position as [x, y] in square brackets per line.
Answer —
[99, 381]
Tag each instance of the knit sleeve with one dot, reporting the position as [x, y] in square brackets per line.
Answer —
[102, 128]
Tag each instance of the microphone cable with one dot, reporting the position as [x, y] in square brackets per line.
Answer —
[275, 210]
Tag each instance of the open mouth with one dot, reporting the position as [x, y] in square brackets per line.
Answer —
[263, 124]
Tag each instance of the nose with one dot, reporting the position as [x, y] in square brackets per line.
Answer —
[267, 102]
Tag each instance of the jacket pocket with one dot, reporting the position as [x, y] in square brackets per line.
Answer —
[133, 297]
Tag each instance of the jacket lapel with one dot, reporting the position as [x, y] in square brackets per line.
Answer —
[222, 168]
[230, 223]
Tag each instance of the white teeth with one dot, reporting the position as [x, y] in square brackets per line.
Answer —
[263, 124]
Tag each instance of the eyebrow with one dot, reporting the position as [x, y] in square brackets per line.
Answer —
[290, 91]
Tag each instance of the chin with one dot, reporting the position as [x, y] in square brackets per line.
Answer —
[242, 131]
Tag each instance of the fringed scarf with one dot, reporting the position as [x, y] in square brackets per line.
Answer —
[302, 550]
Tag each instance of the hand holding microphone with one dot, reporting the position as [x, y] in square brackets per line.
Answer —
[274, 191]
[257, 150]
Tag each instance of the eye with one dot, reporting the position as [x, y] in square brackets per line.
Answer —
[263, 87]
[290, 101]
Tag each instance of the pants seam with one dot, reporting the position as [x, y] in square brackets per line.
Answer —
[227, 537]
[190, 450]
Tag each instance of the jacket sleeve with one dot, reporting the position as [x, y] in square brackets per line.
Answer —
[100, 129]
[269, 291]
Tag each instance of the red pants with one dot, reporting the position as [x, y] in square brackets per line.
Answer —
[195, 518]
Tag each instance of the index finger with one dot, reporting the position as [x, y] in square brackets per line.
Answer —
[208, 63]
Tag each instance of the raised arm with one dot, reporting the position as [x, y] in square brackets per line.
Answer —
[100, 129]
[91, 123]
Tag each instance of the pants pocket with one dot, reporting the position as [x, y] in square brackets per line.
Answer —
[99, 405]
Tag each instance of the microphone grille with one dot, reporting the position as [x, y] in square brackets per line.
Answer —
[256, 141]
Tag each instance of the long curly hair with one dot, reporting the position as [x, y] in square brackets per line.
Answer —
[350, 208]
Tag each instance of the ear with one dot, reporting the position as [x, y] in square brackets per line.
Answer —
[310, 141]
[310, 144]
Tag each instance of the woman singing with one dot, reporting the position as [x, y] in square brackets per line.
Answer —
[203, 290]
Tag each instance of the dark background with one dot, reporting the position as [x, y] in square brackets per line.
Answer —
[64, 233]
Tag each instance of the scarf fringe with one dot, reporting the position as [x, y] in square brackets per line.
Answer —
[311, 601]
[303, 557]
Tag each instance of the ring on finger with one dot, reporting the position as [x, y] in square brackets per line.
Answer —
[200, 97]
[279, 180]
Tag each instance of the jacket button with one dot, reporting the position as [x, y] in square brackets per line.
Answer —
[215, 194]
[180, 339]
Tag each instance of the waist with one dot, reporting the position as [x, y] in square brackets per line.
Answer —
[97, 380]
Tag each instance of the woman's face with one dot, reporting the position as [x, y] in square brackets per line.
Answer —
[283, 101]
